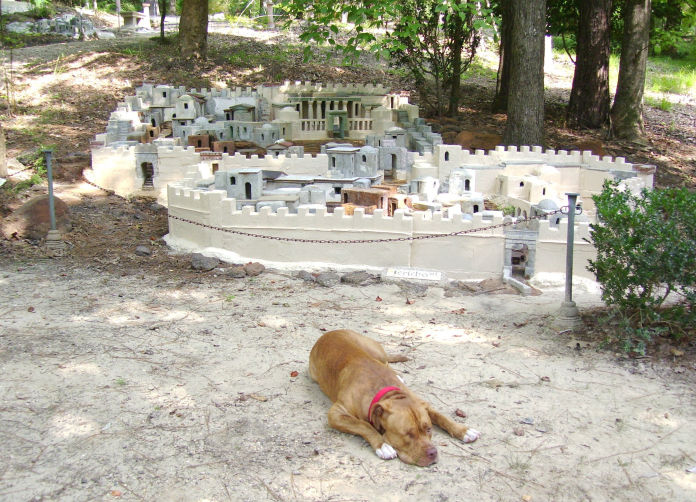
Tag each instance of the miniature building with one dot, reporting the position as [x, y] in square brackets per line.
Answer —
[388, 190]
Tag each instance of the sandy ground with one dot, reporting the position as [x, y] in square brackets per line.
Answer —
[118, 386]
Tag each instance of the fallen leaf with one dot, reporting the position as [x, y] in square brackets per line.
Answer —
[409, 301]
[116, 493]
[677, 352]
[526, 498]
[294, 374]
[545, 379]
[263, 399]
[460, 413]
[30, 309]
[459, 311]
[495, 344]
[378, 299]
[261, 324]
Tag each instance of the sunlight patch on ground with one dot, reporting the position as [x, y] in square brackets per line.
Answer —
[69, 425]
[79, 368]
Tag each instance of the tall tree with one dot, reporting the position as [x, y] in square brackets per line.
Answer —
[193, 29]
[525, 108]
[502, 84]
[590, 103]
[627, 111]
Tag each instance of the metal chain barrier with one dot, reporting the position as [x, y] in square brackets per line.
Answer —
[562, 210]
[366, 241]
[20, 171]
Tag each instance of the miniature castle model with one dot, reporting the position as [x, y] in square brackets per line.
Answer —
[403, 184]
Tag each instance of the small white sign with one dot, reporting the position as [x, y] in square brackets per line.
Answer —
[414, 273]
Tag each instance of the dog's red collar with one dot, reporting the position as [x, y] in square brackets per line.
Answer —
[380, 394]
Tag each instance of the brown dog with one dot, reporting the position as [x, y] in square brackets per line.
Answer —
[371, 401]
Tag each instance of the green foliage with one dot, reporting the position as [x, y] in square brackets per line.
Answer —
[645, 254]
[435, 39]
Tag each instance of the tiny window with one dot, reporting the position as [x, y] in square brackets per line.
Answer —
[200, 143]
[233, 180]
[283, 131]
[224, 149]
[337, 190]
[446, 156]
[543, 191]
[521, 183]
[364, 158]
[173, 115]
[216, 166]
[185, 106]
[333, 161]
[476, 208]
[164, 94]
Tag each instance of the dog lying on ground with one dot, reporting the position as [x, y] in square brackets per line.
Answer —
[369, 399]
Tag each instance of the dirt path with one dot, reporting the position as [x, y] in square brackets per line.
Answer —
[150, 387]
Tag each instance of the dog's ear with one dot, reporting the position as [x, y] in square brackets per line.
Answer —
[377, 416]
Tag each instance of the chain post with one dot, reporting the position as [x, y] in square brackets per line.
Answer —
[569, 315]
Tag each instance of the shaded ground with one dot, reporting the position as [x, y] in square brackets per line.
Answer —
[151, 386]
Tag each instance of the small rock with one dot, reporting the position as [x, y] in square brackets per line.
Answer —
[359, 278]
[305, 276]
[527, 421]
[254, 269]
[203, 263]
[236, 272]
[518, 431]
[411, 289]
[143, 251]
[328, 279]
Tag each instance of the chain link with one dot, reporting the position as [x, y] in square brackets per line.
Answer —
[347, 241]
[361, 241]
[20, 171]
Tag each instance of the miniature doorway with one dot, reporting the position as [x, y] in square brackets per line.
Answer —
[247, 190]
[336, 125]
[147, 171]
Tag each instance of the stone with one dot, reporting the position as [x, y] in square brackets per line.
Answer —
[203, 263]
[254, 269]
[143, 250]
[411, 289]
[236, 272]
[32, 220]
[305, 276]
[359, 278]
[103, 35]
[328, 279]
[20, 27]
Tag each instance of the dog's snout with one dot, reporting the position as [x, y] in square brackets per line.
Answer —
[431, 455]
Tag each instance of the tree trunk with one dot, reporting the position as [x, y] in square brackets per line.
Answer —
[502, 86]
[525, 107]
[627, 112]
[193, 29]
[590, 102]
[455, 55]
[163, 6]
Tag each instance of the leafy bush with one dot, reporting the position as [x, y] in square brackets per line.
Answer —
[645, 255]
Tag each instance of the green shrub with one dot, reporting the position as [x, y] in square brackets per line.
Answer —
[645, 254]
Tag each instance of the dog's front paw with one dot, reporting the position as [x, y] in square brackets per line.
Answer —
[471, 435]
[386, 452]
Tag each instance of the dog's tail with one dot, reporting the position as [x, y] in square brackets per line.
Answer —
[397, 358]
